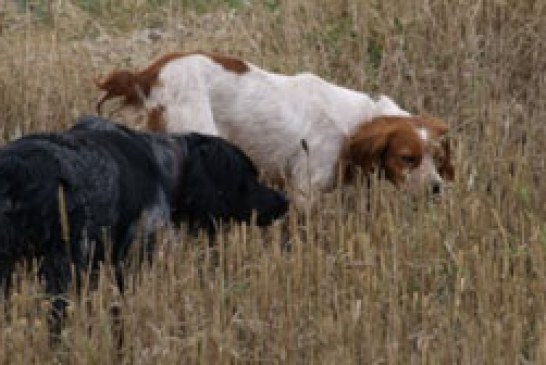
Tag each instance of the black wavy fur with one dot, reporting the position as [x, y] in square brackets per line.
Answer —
[114, 178]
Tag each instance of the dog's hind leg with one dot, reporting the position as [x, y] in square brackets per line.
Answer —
[55, 269]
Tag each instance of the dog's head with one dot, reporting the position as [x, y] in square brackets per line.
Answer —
[219, 183]
[410, 151]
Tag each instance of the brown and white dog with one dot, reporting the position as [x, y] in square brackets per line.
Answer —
[299, 128]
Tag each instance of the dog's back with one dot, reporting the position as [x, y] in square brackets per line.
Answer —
[107, 179]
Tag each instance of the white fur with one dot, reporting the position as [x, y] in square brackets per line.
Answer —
[423, 133]
[267, 115]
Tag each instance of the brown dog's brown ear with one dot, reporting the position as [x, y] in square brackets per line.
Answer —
[366, 148]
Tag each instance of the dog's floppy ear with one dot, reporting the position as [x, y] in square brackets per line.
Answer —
[366, 147]
[199, 198]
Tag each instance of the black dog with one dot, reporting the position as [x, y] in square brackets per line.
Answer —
[59, 192]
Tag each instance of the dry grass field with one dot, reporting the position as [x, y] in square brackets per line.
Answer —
[460, 281]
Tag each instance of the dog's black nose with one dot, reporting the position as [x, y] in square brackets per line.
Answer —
[436, 188]
[276, 207]
[283, 203]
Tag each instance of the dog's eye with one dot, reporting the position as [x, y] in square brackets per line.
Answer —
[409, 160]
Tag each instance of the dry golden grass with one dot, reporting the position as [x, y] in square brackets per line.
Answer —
[461, 281]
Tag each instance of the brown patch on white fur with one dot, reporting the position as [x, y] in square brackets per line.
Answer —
[156, 122]
[134, 86]
[228, 63]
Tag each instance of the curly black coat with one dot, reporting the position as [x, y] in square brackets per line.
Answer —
[60, 193]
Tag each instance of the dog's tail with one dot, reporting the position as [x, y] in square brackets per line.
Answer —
[130, 86]
[133, 87]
